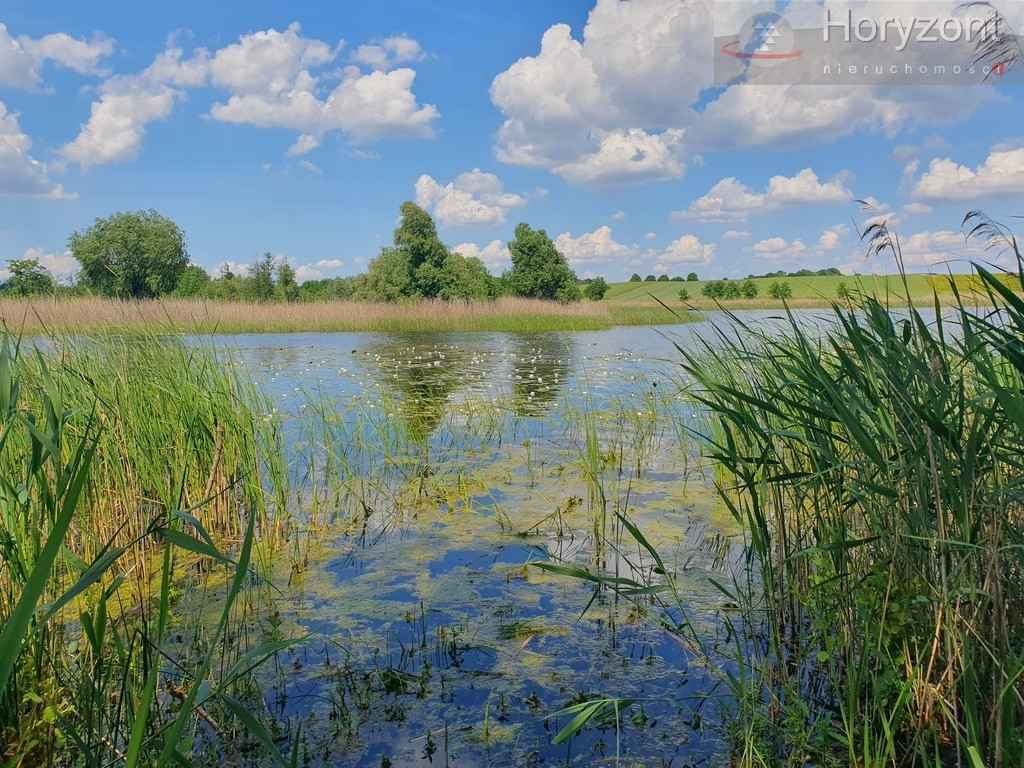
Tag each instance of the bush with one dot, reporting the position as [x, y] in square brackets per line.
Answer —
[596, 289]
[780, 290]
[749, 289]
[684, 295]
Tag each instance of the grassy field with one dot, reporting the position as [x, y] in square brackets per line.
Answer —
[807, 291]
[109, 316]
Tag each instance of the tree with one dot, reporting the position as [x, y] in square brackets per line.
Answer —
[650, 279]
[749, 289]
[596, 289]
[193, 282]
[677, 279]
[714, 289]
[730, 290]
[636, 278]
[466, 277]
[287, 287]
[684, 295]
[662, 278]
[28, 278]
[539, 271]
[259, 285]
[780, 290]
[692, 277]
[137, 254]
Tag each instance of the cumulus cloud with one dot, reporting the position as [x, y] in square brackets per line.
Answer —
[22, 58]
[688, 249]
[592, 247]
[636, 71]
[736, 234]
[329, 264]
[475, 198]
[733, 201]
[625, 157]
[273, 82]
[389, 52]
[930, 249]
[494, 255]
[20, 172]
[1001, 174]
[271, 76]
[779, 248]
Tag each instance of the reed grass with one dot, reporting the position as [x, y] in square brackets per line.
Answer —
[97, 316]
[119, 464]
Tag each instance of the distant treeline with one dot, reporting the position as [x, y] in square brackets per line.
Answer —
[141, 254]
[830, 272]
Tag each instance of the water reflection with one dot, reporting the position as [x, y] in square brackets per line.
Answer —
[541, 365]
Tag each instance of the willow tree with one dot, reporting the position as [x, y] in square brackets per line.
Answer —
[136, 254]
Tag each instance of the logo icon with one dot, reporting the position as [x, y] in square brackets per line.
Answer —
[765, 38]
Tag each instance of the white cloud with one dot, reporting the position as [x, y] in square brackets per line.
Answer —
[911, 209]
[931, 249]
[272, 81]
[305, 272]
[774, 248]
[270, 75]
[736, 234]
[618, 216]
[57, 264]
[651, 235]
[20, 173]
[732, 200]
[592, 247]
[688, 249]
[832, 238]
[494, 255]
[22, 58]
[1001, 174]
[475, 198]
[389, 52]
[117, 122]
[639, 66]
[329, 264]
[632, 76]
[625, 157]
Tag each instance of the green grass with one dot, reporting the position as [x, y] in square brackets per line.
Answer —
[805, 289]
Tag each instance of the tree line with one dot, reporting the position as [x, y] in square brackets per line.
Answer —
[142, 255]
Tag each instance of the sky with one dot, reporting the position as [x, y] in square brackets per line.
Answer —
[299, 128]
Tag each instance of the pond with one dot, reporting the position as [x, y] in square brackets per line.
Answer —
[430, 474]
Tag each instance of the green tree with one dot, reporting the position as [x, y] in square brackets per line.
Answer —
[677, 279]
[636, 278]
[596, 289]
[684, 295]
[137, 254]
[731, 289]
[692, 277]
[714, 289]
[539, 271]
[663, 278]
[780, 290]
[29, 278]
[259, 285]
[287, 287]
[650, 279]
[193, 282]
[466, 277]
[749, 289]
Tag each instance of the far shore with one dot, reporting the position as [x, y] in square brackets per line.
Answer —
[100, 316]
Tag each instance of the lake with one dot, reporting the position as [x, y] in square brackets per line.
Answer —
[429, 474]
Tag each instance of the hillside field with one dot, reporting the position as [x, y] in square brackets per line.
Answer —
[805, 289]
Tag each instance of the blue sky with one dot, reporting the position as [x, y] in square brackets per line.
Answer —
[298, 129]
